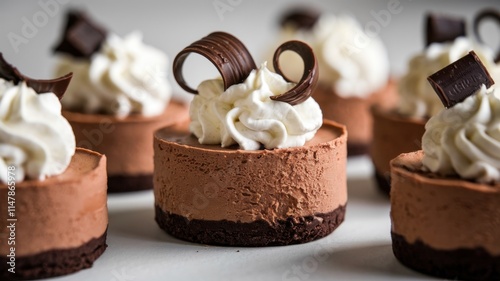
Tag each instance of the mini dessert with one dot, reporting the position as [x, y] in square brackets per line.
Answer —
[445, 199]
[354, 70]
[118, 98]
[400, 129]
[257, 165]
[54, 211]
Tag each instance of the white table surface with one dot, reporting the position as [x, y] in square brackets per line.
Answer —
[360, 249]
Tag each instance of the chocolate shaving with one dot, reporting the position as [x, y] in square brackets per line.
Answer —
[441, 28]
[57, 86]
[82, 37]
[226, 52]
[300, 18]
[485, 14]
[303, 90]
[461, 79]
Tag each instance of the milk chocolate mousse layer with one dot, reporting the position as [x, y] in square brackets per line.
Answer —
[355, 113]
[61, 221]
[393, 134]
[226, 196]
[439, 224]
[126, 142]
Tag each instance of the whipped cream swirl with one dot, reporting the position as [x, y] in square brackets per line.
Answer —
[124, 77]
[245, 115]
[34, 137]
[355, 63]
[418, 99]
[465, 140]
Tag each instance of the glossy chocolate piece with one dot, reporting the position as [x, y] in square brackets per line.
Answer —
[300, 18]
[234, 62]
[303, 90]
[82, 37]
[441, 28]
[481, 16]
[459, 80]
[226, 52]
[57, 86]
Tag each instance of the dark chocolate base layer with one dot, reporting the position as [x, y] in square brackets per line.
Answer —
[355, 149]
[258, 233]
[121, 183]
[54, 262]
[462, 264]
[383, 183]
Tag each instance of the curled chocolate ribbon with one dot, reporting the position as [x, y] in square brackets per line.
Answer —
[57, 86]
[81, 37]
[480, 17]
[226, 52]
[303, 90]
[443, 28]
[300, 18]
[234, 63]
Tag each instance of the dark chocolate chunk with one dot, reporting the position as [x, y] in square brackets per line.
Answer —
[459, 80]
[481, 16]
[300, 18]
[81, 37]
[441, 28]
[303, 90]
[226, 52]
[57, 86]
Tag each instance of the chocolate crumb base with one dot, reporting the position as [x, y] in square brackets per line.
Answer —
[253, 234]
[383, 183]
[54, 262]
[462, 264]
[355, 149]
[121, 183]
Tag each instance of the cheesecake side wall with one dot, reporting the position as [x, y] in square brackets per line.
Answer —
[247, 186]
[127, 143]
[60, 215]
[442, 213]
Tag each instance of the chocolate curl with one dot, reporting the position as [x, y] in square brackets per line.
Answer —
[461, 79]
[441, 28]
[486, 14]
[303, 90]
[300, 18]
[226, 52]
[57, 86]
[82, 37]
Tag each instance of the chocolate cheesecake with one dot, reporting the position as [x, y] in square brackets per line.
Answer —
[393, 134]
[118, 97]
[126, 142]
[60, 223]
[228, 196]
[445, 197]
[444, 226]
[355, 113]
[257, 165]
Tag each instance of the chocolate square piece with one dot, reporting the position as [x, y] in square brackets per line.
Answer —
[459, 80]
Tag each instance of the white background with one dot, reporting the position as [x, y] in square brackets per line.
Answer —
[359, 249]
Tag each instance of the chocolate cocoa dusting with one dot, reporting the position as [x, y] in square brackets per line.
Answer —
[57, 86]
[441, 28]
[480, 17]
[226, 52]
[300, 18]
[81, 37]
[303, 90]
[459, 80]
